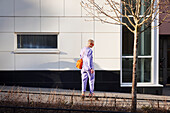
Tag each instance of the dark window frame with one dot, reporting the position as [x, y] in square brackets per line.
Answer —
[129, 53]
[44, 43]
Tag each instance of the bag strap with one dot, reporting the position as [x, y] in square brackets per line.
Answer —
[83, 54]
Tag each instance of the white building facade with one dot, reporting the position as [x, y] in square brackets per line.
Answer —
[40, 42]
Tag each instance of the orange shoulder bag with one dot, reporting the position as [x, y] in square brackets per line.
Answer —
[79, 63]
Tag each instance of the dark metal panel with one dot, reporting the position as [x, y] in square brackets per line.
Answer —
[104, 80]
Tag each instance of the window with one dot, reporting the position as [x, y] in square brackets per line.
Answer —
[144, 46]
[36, 41]
[144, 51]
[144, 70]
[144, 5]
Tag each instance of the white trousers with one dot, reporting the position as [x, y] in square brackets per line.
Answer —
[85, 75]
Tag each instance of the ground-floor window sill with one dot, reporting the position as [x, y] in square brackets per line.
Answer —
[39, 51]
[142, 85]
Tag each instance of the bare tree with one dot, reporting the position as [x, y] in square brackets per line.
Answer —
[142, 12]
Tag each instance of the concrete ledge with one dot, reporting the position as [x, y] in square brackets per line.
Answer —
[142, 85]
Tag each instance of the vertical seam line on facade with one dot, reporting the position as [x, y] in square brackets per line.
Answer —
[94, 34]
[59, 25]
[81, 9]
[40, 13]
[94, 37]
[121, 53]
[59, 62]
[15, 41]
[59, 42]
[81, 40]
[63, 7]
[14, 15]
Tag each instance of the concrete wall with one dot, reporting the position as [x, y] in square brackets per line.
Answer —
[68, 19]
[164, 28]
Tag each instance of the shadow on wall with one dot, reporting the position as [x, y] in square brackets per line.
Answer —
[66, 79]
[64, 65]
[69, 77]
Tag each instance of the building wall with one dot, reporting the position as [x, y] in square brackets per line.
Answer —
[164, 28]
[69, 19]
[65, 17]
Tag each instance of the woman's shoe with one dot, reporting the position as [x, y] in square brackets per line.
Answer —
[91, 94]
[82, 96]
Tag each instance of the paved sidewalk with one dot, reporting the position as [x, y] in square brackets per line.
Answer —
[68, 94]
[97, 93]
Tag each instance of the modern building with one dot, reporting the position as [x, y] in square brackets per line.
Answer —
[40, 42]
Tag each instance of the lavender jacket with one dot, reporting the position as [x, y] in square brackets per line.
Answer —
[87, 55]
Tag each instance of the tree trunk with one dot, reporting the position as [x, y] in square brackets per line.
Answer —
[134, 74]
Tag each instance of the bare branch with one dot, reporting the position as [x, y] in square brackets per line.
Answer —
[150, 15]
[96, 11]
[132, 7]
[113, 9]
[149, 26]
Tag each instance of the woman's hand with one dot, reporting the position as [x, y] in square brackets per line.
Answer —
[92, 71]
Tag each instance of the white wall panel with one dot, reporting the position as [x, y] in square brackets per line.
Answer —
[27, 24]
[52, 7]
[72, 8]
[7, 41]
[68, 64]
[107, 45]
[49, 24]
[107, 64]
[27, 7]
[84, 12]
[106, 7]
[102, 4]
[76, 25]
[105, 27]
[37, 61]
[6, 7]
[6, 24]
[70, 45]
[6, 61]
